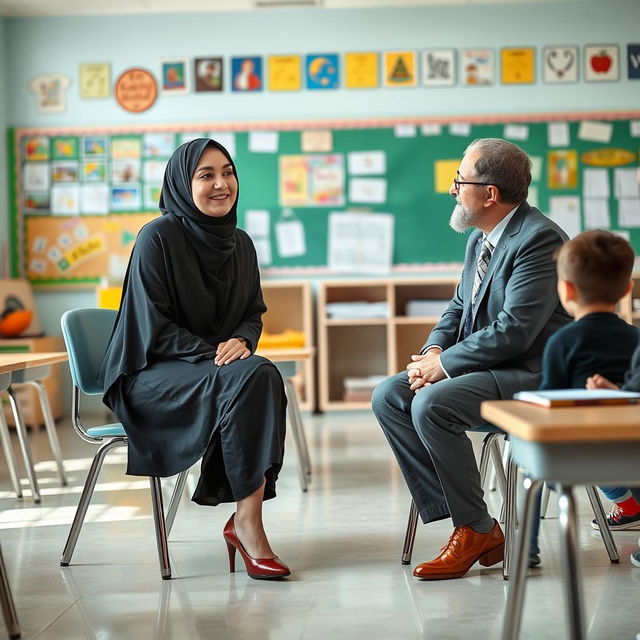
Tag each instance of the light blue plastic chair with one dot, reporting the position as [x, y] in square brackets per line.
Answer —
[86, 334]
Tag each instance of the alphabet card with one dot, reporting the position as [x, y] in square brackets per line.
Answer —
[601, 63]
[560, 64]
[518, 65]
[438, 68]
[633, 60]
[476, 67]
[400, 69]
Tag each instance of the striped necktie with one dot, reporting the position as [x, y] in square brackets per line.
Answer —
[481, 269]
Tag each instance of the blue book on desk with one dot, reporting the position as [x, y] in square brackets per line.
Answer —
[577, 397]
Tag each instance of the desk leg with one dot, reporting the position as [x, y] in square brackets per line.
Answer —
[515, 598]
[570, 565]
[510, 516]
[23, 439]
[6, 600]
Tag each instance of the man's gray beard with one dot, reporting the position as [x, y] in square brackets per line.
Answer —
[461, 219]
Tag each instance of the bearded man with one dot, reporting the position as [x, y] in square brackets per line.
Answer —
[487, 345]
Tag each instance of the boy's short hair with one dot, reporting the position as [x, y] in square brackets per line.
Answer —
[598, 263]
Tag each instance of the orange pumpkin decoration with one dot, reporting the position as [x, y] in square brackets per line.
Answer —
[15, 322]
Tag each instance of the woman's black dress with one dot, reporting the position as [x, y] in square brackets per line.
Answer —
[193, 282]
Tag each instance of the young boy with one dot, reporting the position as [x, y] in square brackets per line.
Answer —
[594, 273]
[632, 383]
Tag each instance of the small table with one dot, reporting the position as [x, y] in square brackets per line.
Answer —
[9, 363]
[570, 446]
[293, 356]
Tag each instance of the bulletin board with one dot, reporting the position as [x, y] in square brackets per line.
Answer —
[75, 246]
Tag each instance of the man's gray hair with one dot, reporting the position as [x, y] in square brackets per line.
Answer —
[504, 165]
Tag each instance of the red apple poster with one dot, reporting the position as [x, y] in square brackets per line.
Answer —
[601, 63]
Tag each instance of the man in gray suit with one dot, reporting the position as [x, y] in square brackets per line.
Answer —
[487, 345]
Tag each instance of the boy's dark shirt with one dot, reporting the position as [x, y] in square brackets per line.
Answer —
[597, 343]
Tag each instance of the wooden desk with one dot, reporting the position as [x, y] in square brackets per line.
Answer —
[10, 363]
[293, 356]
[17, 361]
[567, 445]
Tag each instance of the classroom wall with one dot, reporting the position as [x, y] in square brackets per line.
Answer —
[58, 45]
[4, 218]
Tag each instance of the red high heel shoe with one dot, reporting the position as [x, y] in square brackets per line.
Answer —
[257, 568]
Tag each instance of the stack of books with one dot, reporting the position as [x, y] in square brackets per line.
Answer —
[577, 397]
[345, 310]
[360, 389]
[425, 308]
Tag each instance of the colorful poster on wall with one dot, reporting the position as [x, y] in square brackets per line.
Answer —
[50, 91]
[438, 68]
[94, 80]
[285, 73]
[518, 65]
[477, 67]
[246, 74]
[312, 180]
[79, 247]
[560, 64]
[174, 76]
[322, 71]
[65, 147]
[361, 70]
[601, 63]
[136, 90]
[563, 169]
[36, 148]
[400, 69]
[208, 74]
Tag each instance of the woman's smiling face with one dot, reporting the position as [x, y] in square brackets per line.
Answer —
[214, 187]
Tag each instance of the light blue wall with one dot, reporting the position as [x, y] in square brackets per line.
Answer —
[58, 45]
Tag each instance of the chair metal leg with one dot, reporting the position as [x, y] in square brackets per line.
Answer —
[484, 459]
[546, 492]
[6, 601]
[515, 597]
[5, 439]
[306, 458]
[496, 457]
[603, 525]
[50, 426]
[570, 564]
[85, 497]
[296, 429]
[21, 430]
[410, 536]
[510, 516]
[175, 500]
[161, 531]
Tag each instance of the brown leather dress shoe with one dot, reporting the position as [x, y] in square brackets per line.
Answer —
[464, 549]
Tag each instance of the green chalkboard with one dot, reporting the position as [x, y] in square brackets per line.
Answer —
[422, 232]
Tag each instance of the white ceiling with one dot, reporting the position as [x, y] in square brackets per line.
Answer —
[33, 8]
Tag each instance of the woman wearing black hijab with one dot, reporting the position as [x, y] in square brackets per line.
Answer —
[179, 371]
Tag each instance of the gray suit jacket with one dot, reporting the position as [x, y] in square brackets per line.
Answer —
[516, 310]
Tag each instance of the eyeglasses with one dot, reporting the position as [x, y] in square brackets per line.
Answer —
[457, 183]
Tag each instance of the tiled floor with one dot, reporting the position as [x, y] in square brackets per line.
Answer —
[342, 540]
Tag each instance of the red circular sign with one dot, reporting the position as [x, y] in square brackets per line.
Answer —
[136, 89]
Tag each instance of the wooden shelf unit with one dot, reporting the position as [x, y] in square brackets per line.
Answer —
[289, 307]
[354, 347]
